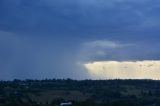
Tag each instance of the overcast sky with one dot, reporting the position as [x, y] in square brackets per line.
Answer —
[54, 38]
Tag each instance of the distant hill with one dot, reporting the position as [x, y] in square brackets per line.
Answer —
[80, 93]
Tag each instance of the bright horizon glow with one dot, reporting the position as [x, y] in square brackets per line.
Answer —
[147, 69]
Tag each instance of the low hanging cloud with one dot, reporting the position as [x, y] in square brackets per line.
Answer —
[99, 50]
[102, 49]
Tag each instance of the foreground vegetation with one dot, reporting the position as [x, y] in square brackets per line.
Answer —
[80, 93]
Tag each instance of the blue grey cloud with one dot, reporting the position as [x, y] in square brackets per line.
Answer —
[79, 17]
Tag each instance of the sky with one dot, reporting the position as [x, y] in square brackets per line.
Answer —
[79, 39]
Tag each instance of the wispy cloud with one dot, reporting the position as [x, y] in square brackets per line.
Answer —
[104, 44]
[101, 49]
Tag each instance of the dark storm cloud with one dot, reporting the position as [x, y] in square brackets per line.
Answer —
[72, 17]
[43, 38]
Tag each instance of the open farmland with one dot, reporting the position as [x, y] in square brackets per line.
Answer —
[80, 93]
